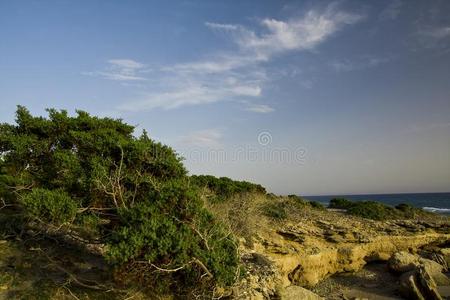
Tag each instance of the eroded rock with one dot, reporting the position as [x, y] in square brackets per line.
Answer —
[294, 292]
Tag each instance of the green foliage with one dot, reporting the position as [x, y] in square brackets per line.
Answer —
[300, 202]
[376, 210]
[340, 203]
[275, 210]
[411, 212]
[130, 192]
[188, 235]
[316, 205]
[224, 187]
[372, 210]
[50, 206]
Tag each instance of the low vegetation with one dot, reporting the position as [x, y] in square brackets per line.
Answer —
[224, 188]
[376, 210]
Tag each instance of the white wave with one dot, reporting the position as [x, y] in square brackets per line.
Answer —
[437, 209]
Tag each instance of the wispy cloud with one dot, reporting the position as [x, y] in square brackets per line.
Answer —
[303, 33]
[436, 33]
[238, 75]
[209, 138]
[392, 11]
[121, 70]
[260, 108]
[347, 65]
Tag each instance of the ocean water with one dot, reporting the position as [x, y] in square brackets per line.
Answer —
[435, 202]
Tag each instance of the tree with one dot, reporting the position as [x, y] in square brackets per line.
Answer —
[80, 171]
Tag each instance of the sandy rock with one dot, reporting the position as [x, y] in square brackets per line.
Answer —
[441, 279]
[403, 261]
[294, 292]
[409, 287]
[446, 254]
[429, 287]
[431, 266]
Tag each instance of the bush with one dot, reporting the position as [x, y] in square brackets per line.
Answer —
[411, 212]
[275, 210]
[50, 206]
[300, 202]
[224, 187]
[316, 205]
[372, 210]
[340, 203]
[62, 169]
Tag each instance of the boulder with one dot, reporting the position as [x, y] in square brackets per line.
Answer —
[419, 285]
[401, 262]
[294, 292]
[428, 286]
[446, 254]
[431, 266]
[409, 288]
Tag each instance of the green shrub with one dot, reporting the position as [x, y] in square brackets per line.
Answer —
[372, 210]
[224, 187]
[128, 192]
[50, 206]
[275, 210]
[316, 205]
[340, 203]
[411, 212]
[149, 235]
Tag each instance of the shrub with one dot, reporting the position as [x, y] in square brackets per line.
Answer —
[316, 205]
[275, 210]
[50, 206]
[224, 187]
[62, 169]
[340, 203]
[372, 210]
[410, 212]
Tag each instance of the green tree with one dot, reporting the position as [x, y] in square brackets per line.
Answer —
[73, 170]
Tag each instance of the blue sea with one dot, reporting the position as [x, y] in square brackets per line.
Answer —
[435, 202]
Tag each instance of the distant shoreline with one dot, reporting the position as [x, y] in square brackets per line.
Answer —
[434, 202]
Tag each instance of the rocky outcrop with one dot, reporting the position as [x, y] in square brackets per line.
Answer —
[346, 257]
[294, 292]
[421, 276]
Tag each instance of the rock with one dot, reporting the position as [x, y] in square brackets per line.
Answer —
[429, 287]
[441, 279]
[431, 266]
[409, 288]
[446, 254]
[294, 292]
[403, 261]
[419, 285]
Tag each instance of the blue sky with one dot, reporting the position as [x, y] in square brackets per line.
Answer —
[306, 97]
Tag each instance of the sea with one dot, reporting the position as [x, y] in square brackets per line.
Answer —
[434, 202]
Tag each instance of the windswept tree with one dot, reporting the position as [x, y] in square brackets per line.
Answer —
[92, 177]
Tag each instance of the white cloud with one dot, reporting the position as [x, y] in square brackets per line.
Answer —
[237, 75]
[392, 11]
[126, 64]
[121, 70]
[210, 138]
[437, 33]
[221, 26]
[296, 34]
[346, 65]
[260, 108]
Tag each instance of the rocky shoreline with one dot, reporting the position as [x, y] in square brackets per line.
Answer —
[296, 258]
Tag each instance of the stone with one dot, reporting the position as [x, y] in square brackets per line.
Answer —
[428, 286]
[446, 254]
[294, 292]
[402, 262]
[409, 288]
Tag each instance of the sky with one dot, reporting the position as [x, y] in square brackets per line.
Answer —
[303, 97]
